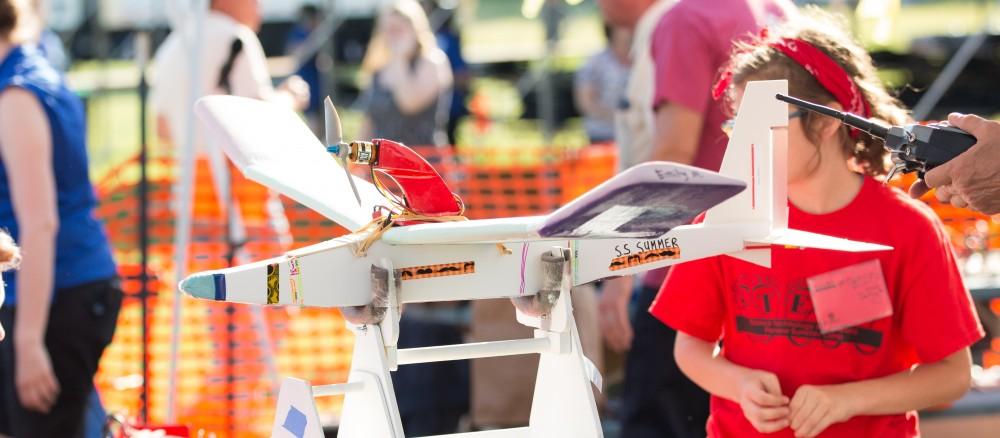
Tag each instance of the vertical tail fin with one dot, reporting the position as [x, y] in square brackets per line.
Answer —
[758, 154]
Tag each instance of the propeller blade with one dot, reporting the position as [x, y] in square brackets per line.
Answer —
[335, 137]
[354, 188]
[334, 132]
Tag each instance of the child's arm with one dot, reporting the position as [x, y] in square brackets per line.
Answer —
[758, 392]
[814, 408]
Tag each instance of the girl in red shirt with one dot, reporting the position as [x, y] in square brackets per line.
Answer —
[776, 371]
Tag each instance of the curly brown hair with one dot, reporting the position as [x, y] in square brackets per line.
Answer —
[757, 60]
[17, 18]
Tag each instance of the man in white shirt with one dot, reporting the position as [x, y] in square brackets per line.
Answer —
[231, 62]
[226, 21]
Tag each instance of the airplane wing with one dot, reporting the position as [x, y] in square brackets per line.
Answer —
[645, 201]
[272, 146]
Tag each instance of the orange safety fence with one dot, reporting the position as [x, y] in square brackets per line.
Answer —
[223, 385]
[968, 230]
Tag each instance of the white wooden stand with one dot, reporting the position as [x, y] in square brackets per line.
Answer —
[563, 403]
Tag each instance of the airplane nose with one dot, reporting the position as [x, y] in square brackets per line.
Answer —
[204, 286]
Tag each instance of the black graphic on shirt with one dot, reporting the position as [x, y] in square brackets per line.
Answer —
[766, 310]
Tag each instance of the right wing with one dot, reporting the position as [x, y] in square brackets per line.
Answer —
[272, 146]
[645, 201]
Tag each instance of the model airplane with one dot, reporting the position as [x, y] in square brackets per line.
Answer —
[636, 221]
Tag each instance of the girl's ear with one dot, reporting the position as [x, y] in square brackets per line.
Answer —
[828, 126]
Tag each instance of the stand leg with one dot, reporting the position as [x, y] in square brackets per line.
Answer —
[371, 412]
[564, 405]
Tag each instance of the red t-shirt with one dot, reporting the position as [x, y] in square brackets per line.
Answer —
[766, 321]
[689, 45]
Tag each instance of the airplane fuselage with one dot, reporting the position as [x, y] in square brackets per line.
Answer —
[331, 274]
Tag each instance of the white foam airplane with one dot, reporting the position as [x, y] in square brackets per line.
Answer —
[633, 222]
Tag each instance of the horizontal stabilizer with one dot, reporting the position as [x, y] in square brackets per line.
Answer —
[802, 239]
[760, 256]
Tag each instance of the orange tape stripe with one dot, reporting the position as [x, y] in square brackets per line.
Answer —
[442, 270]
[644, 257]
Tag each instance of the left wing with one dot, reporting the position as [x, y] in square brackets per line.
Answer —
[271, 145]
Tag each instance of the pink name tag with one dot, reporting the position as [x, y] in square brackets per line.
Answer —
[850, 296]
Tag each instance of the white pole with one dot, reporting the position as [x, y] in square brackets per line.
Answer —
[951, 71]
[948, 76]
[182, 230]
[318, 37]
[476, 350]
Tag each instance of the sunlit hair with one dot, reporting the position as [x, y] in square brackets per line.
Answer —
[756, 60]
[10, 254]
[377, 55]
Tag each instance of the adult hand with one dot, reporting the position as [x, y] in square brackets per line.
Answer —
[814, 408]
[763, 404]
[613, 307]
[971, 179]
[298, 90]
[37, 387]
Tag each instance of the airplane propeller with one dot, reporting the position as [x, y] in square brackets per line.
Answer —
[335, 142]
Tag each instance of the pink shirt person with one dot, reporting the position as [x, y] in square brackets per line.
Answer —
[690, 45]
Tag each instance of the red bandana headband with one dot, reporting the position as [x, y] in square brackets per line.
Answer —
[827, 72]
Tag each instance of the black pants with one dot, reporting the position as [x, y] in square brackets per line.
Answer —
[81, 324]
[432, 397]
[659, 401]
